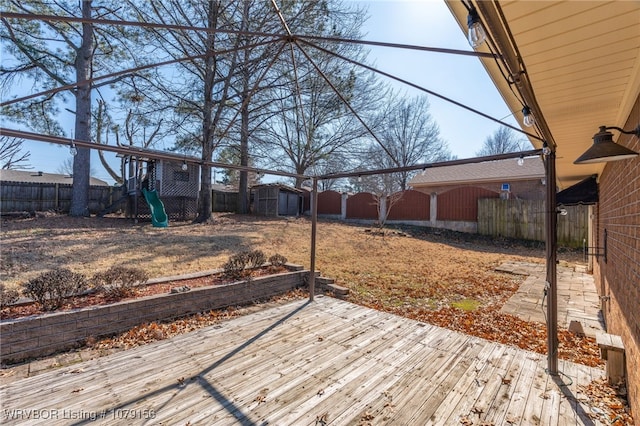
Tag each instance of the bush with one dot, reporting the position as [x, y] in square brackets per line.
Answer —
[256, 258]
[119, 281]
[51, 288]
[8, 296]
[234, 267]
[277, 260]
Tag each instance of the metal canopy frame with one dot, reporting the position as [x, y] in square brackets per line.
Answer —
[508, 55]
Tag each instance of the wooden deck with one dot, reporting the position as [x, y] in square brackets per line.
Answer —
[320, 363]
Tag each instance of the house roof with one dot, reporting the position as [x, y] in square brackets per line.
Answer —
[277, 185]
[582, 61]
[488, 171]
[40, 177]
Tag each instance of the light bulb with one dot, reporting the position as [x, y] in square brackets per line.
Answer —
[520, 161]
[185, 166]
[476, 36]
[359, 178]
[73, 150]
[527, 118]
[545, 149]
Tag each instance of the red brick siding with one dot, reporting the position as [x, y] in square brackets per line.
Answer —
[619, 213]
[462, 203]
[522, 189]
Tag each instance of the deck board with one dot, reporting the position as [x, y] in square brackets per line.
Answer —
[303, 363]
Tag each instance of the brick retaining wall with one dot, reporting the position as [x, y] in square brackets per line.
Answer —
[45, 334]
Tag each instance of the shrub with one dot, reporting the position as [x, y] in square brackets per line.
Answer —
[256, 258]
[234, 267]
[119, 281]
[277, 260]
[8, 295]
[51, 288]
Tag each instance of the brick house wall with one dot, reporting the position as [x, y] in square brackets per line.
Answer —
[618, 211]
[522, 189]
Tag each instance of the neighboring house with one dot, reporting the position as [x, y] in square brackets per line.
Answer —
[29, 191]
[577, 66]
[520, 179]
[455, 190]
[40, 177]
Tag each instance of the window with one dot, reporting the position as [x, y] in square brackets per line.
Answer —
[180, 176]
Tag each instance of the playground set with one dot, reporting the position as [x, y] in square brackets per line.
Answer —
[159, 190]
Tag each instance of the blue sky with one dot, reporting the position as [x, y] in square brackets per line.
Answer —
[419, 22]
[461, 78]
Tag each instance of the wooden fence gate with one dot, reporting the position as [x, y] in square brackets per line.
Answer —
[524, 219]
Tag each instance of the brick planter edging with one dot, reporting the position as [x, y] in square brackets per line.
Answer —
[45, 334]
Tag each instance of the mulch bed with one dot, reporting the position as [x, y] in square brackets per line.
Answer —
[99, 299]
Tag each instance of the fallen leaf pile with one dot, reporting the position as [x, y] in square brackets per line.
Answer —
[607, 402]
[488, 323]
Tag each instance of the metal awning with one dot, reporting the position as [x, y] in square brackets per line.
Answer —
[584, 192]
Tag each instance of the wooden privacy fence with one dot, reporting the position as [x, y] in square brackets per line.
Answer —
[224, 201]
[524, 219]
[31, 197]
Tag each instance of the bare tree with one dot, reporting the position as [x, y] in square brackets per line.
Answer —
[140, 128]
[384, 189]
[12, 157]
[502, 141]
[410, 136]
[313, 118]
[199, 93]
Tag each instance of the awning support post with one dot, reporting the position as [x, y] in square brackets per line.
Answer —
[551, 243]
[314, 226]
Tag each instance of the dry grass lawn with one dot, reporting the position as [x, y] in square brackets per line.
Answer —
[440, 277]
[425, 263]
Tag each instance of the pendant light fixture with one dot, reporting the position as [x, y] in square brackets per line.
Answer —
[605, 149]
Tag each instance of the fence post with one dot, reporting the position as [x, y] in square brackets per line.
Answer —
[343, 206]
[433, 209]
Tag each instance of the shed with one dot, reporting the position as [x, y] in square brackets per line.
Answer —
[277, 200]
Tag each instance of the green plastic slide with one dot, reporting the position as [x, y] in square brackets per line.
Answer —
[158, 214]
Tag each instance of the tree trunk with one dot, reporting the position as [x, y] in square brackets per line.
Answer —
[204, 199]
[82, 160]
[243, 186]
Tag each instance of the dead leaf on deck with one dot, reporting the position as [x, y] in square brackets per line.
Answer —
[477, 410]
[322, 420]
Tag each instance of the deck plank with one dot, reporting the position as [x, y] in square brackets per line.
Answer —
[307, 363]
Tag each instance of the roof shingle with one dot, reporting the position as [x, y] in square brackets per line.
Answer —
[488, 171]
